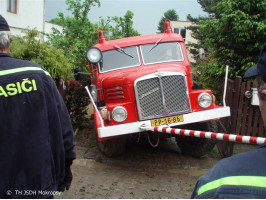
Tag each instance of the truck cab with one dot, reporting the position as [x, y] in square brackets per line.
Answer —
[147, 81]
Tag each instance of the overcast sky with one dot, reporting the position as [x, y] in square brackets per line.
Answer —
[147, 13]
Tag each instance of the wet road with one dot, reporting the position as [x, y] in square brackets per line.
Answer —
[141, 172]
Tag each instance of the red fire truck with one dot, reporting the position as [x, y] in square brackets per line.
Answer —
[146, 81]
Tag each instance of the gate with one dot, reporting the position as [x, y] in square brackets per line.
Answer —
[245, 118]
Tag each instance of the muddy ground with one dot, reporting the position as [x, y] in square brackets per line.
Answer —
[140, 172]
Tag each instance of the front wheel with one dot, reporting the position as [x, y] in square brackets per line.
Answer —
[112, 147]
[197, 147]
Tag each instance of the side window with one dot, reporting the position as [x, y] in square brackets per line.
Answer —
[12, 6]
[181, 31]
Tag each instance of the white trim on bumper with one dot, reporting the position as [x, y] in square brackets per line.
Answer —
[135, 127]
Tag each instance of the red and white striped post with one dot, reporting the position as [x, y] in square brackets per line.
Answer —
[209, 135]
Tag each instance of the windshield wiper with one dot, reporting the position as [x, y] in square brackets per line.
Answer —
[154, 45]
[123, 51]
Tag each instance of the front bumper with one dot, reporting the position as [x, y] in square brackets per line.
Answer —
[135, 127]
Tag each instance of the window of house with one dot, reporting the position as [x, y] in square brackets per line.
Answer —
[12, 6]
[181, 31]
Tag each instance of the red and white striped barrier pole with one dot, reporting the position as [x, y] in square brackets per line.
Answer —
[209, 135]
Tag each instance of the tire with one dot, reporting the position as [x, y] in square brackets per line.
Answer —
[113, 147]
[197, 147]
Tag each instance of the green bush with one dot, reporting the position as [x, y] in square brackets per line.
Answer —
[77, 101]
[30, 47]
[211, 75]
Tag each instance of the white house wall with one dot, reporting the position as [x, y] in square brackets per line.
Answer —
[30, 14]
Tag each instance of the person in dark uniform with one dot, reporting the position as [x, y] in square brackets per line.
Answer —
[37, 144]
[241, 176]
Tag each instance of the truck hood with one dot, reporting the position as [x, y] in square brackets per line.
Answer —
[129, 75]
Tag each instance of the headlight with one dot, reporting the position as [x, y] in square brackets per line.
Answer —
[119, 114]
[94, 55]
[204, 100]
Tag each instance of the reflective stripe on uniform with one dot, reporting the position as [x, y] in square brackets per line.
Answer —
[252, 181]
[22, 69]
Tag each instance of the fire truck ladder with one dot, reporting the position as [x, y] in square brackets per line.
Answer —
[208, 135]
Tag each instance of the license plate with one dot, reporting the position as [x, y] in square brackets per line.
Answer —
[167, 120]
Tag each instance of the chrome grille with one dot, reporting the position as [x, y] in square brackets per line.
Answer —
[161, 95]
[150, 97]
[175, 94]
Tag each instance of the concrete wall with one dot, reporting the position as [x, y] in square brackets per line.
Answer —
[49, 28]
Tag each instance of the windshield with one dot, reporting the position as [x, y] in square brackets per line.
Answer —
[120, 58]
[161, 52]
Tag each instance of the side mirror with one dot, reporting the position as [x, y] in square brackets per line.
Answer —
[201, 53]
[77, 74]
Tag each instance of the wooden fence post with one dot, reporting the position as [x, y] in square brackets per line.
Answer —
[229, 124]
[235, 103]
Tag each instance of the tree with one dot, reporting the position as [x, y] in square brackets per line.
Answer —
[208, 6]
[78, 32]
[59, 20]
[120, 27]
[236, 33]
[169, 14]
